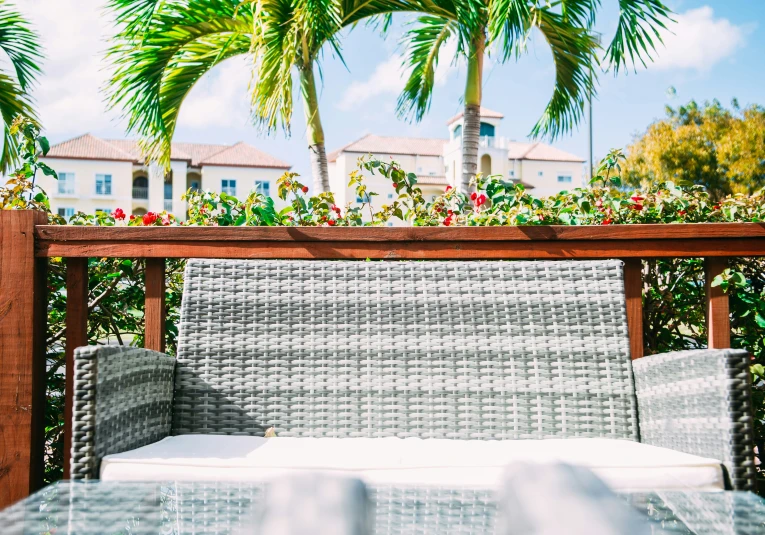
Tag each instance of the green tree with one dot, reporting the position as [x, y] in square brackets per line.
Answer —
[566, 25]
[708, 145]
[21, 45]
[165, 46]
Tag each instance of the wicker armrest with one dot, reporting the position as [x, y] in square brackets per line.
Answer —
[122, 400]
[699, 402]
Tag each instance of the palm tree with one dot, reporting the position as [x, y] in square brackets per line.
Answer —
[166, 46]
[566, 26]
[21, 45]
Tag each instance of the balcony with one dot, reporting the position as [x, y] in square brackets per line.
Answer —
[168, 205]
[140, 192]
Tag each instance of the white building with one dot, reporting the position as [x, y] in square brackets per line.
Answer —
[99, 174]
[543, 169]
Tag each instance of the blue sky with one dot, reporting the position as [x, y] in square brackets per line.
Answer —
[715, 51]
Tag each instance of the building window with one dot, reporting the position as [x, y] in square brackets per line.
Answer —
[564, 179]
[263, 187]
[228, 186]
[168, 193]
[512, 173]
[361, 200]
[66, 212]
[390, 195]
[66, 183]
[140, 187]
[103, 184]
[540, 173]
[194, 185]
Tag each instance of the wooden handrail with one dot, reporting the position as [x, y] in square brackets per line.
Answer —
[534, 242]
[715, 242]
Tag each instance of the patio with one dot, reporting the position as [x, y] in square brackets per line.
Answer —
[29, 244]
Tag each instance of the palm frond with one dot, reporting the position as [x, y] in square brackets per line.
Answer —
[580, 12]
[424, 42]
[176, 43]
[510, 23]
[574, 53]
[637, 32]
[135, 15]
[21, 44]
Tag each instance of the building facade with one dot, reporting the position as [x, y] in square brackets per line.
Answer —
[541, 168]
[98, 174]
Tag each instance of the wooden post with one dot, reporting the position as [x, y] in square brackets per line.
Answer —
[718, 308]
[22, 355]
[76, 336]
[633, 292]
[154, 312]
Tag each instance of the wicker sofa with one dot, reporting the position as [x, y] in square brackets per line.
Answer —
[420, 371]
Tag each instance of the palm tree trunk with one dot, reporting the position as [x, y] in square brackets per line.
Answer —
[314, 130]
[471, 125]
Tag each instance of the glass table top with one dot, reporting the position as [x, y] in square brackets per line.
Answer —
[120, 508]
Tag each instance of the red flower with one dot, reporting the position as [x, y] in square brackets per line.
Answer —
[447, 221]
[599, 203]
[473, 196]
[716, 207]
[132, 217]
[637, 198]
[480, 200]
[119, 214]
[607, 221]
[449, 212]
[331, 222]
[681, 212]
[438, 208]
[448, 189]
[287, 184]
[637, 207]
[395, 186]
[149, 218]
[305, 189]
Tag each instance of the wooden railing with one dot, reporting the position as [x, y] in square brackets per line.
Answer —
[26, 243]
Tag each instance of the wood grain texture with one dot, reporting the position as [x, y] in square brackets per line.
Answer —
[420, 249]
[22, 356]
[633, 292]
[718, 306]
[76, 336]
[154, 315]
[54, 233]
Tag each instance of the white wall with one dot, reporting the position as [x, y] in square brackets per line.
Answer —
[245, 177]
[85, 198]
[547, 183]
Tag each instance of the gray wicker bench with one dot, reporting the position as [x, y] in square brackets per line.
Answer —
[459, 350]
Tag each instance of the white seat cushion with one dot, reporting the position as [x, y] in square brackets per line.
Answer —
[624, 465]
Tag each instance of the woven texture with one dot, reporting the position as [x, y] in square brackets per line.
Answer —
[122, 401]
[479, 350]
[700, 402]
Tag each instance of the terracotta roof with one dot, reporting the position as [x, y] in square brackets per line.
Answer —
[485, 112]
[393, 145]
[540, 152]
[243, 155]
[89, 147]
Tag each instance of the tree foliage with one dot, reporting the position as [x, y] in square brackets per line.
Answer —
[21, 46]
[706, 145]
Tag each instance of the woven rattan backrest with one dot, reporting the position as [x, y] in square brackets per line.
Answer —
[431, 349]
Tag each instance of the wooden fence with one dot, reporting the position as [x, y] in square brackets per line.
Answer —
[26, 243]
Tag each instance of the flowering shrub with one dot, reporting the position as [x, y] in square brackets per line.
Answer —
[673, 294]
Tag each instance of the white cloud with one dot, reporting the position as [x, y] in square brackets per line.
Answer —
[698, 41]
[220, 98]
[390, 76]
[74, 35]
